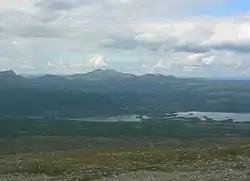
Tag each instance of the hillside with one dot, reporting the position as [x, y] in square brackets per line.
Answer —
[108, 92]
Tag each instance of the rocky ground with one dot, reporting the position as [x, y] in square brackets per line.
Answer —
[155, 164]
[228, 175]
[219, 175]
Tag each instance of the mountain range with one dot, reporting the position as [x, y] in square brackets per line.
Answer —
[95, 75]
[109, 92]
[96, 80]
[113, 81]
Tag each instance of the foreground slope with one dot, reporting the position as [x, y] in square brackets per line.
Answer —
[218, 163]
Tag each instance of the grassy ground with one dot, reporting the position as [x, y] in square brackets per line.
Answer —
[97, 163]
[63, 152]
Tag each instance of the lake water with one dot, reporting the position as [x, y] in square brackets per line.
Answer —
[133, 118]
[203, 116]
[217, 116]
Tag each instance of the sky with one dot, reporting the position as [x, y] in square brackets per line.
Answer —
[200, 38]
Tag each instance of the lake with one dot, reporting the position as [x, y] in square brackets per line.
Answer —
[132, 118]
[203, 116]
[217, 116]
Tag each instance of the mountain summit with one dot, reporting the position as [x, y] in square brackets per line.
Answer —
[9, 77]
[102, 74]
[8, 73]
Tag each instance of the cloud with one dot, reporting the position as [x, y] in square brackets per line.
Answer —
[219, 61]
[192, 35]
[39, 31]
[124, 43]
[55, 5]
[98, 61]
[95, 61]
[134, 35]
[110, 16]
[197, 35]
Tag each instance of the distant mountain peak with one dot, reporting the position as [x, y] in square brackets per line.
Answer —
[153, 75]
[102, 74]
[51, 77]
[8, 73]
[9, 77]
[105, 72]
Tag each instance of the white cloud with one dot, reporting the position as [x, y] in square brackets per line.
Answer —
[197, 34]
[98, 61]
[95, 61]
[161, 36]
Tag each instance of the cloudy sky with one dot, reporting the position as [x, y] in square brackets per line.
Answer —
[180, 37]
